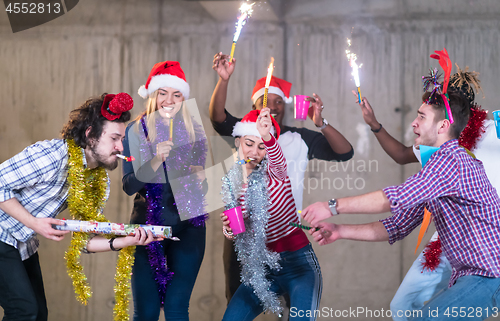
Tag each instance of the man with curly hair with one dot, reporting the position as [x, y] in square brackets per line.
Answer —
[34, 189]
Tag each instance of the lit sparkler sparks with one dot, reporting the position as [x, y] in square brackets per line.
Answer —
[268, 80]
[355, 68]
[246, 12]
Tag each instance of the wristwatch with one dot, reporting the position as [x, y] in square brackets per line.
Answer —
[325, 123]
[332, 204]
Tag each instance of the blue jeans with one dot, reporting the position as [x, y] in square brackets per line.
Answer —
[184, 258]
[300, 277]
[471, 298]
[419, 287]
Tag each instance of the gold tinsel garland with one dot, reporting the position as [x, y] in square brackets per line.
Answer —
[122, 283]
[87, 195]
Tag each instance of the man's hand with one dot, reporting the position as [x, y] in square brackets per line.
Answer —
[316, 212]
[264, 124]
[315, 109]
[327, 233]
[223, 67]
[367, 112]
[43, 227]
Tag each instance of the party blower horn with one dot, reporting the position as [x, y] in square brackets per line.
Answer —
[244, 161]
[126, 158]
[304, 227]
[113, 228]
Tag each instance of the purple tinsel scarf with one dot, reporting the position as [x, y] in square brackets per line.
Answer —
[188, 199]
[156, 255]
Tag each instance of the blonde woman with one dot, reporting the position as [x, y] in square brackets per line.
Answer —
[169, 146]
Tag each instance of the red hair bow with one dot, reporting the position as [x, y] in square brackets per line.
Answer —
[114, 105]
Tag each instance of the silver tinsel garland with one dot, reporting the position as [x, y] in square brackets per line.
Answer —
[255, 258]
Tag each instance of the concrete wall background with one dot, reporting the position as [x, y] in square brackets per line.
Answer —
[110, 47]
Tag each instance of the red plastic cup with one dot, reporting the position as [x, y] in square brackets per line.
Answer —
[301, 107]
[235, 217]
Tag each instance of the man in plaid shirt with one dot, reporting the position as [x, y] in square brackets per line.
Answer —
[34, 189]
[454, 187]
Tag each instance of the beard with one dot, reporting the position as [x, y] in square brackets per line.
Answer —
[427, 140]
[102, 160]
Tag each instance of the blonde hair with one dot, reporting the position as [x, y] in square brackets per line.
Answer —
[150, 113]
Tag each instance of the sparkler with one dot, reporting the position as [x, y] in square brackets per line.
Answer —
[171, 123]
[171, 129]
[354, 65]
[268, 80]
[246, 11]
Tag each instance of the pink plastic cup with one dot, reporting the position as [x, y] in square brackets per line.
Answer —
[236, 222]
[301, 107]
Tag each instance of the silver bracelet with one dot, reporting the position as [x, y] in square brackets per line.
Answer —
[227, 234]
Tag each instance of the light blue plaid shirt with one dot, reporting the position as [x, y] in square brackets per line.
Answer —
[37, 177]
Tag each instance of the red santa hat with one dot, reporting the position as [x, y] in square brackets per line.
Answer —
[165, 74]
[248, 126]
[276, 86]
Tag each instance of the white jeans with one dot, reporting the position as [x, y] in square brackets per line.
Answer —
[419, 286]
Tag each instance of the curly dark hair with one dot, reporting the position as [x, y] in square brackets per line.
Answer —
[85, 116]
[460, 109]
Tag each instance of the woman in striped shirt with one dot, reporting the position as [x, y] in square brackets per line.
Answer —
[276, 257]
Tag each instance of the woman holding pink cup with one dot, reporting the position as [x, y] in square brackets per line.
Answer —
[235, 221]
[276, 258]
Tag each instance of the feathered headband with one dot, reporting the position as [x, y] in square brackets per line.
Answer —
[464, 81]
[439, 90]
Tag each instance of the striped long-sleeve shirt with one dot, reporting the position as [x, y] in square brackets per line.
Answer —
[281, 236]
[466, 209]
